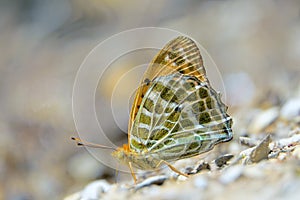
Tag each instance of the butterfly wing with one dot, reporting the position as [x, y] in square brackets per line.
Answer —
[179, 114]
[179, 55]
[180, 117]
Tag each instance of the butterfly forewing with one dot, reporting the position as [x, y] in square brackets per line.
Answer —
[179, 55]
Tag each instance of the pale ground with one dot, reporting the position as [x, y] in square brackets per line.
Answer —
[268, 169]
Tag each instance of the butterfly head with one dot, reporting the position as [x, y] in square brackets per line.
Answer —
[141, 161]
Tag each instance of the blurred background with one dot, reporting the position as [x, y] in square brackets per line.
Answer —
[255, 44]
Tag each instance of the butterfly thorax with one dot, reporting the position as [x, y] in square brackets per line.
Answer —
[145, 161]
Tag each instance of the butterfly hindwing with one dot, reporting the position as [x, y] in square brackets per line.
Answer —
[179, 117]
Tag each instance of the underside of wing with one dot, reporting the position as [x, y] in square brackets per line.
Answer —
[179, 55]
[180, 116]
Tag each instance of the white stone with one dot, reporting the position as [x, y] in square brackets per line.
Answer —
[231, 174]
[200, 182]
[263, 119]
[291, 109]
[95, 189]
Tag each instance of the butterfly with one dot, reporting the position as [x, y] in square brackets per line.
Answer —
[176, 113]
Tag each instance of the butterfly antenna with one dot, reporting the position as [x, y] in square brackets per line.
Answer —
[81, 142]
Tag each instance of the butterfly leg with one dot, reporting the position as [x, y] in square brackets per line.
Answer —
[172, 168]
[132, 172]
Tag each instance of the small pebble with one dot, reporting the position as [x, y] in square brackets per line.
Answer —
[261, 151]
[273, 155]
[189, 170]
[250, 142]
[263, 120]
[222, 160]
[284, 142]
[231, 174]
[296, 152]
[294, 132]
[200, 182]
[157, 180]
[291, 109]
[282, 156]
[182, 178]
[95, 189]
[202, 166]
[253, 172]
